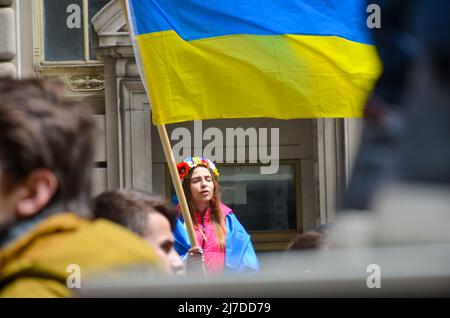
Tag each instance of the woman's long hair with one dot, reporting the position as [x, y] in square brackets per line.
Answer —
[217, 218]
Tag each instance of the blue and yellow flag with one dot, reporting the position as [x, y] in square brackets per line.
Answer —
[205, 59]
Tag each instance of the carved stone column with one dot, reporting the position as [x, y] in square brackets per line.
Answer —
[127, 112]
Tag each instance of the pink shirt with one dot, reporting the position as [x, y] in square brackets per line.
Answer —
[214, 255]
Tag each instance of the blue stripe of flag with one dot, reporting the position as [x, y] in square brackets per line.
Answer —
[200, 19]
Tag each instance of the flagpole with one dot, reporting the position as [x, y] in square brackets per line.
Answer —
[177, 183]
[178, 188]
[172, 167]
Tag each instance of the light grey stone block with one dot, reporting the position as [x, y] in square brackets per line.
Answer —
[7, 34]
[7, 70]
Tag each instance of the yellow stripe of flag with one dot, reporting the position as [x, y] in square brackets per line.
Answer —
[237, 76]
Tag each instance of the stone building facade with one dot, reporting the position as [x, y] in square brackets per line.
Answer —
[315, 155]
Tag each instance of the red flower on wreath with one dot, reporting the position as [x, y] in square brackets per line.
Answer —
[183, 169]
[205, 163]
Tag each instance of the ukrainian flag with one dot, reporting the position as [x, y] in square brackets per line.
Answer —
[205, 59]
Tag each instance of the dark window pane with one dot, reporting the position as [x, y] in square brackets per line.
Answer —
[261, 202]
[94, 7]
[63, 30]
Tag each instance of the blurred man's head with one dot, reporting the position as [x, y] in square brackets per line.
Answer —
[150, 217]
[308, 241]
[46, 151]
[314, 239]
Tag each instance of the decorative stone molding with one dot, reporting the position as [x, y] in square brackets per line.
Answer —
[330, 168]
[110, 27]
[86, 82]
[111, 36]
[79, 79]
[135, 142]
[109, 19]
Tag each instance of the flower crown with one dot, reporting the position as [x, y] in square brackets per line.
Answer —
[188, 164]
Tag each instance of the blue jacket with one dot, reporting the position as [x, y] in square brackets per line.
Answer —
[240, 257]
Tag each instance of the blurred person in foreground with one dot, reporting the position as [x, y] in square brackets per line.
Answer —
[424, 155]
[307, 241]
[406, 135]
[384, 113]
[411, 200]
[150, 217]
[46, 160]
[311, 240]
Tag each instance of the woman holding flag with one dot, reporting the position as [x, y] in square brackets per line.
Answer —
[224, 245]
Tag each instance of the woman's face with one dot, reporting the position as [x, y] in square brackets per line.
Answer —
[202, 186]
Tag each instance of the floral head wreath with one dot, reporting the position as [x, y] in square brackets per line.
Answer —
[188, 164]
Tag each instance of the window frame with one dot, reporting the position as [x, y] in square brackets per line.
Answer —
[40, 55]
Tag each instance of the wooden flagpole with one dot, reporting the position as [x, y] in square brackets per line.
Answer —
[177, 184]
[172, 167]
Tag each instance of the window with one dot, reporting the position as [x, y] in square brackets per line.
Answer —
[268, 206]
[68, 35]
[262, 202]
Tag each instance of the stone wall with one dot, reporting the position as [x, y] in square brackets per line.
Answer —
[7, 39]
